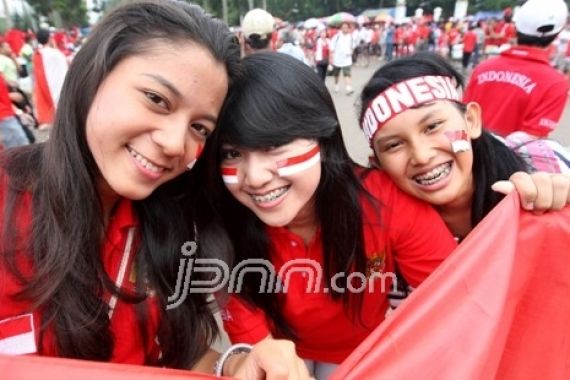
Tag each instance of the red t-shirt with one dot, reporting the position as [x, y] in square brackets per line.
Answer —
[20, 323]
[469, 41]
[6, 109]
[519, 91]
[410, 234]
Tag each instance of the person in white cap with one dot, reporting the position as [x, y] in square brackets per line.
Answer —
[257, 28]
[519, 90]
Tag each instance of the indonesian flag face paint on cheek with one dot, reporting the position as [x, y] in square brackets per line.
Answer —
[459, 141]
[297, 164]
[230, 175]
[199, 151]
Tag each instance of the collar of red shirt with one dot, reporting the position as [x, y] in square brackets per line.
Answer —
[122, 219]
[527, 52]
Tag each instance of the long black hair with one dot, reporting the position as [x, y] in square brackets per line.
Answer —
[278, 100]
[67, 222]
[492, 160]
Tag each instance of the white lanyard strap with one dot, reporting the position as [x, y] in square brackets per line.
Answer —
[122, 270]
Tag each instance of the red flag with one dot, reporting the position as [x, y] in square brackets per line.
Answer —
[46, 368]
[17, 335]
[498, 308]
[45, 107]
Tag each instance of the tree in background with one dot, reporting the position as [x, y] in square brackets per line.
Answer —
[61, 13]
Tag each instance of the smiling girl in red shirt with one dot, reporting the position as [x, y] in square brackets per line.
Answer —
[434, 148]
[92, 224]
[291, 195]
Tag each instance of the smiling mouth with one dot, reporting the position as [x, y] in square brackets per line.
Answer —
[433, 176]
[145, 162]
[271, 196]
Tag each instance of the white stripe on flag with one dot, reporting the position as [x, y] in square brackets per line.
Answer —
[23, 340]
[301, 166]
[459, 146]
[231, 179]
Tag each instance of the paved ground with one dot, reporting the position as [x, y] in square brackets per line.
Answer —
[347, 111]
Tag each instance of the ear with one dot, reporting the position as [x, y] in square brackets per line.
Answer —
[373, 162]
[473, 120]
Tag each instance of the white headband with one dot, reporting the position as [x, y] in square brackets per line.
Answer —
[404, 95]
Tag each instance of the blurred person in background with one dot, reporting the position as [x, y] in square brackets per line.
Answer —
[49, 67]
[519, 90]
[257, 27]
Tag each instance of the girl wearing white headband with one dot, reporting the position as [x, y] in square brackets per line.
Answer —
[435, 149]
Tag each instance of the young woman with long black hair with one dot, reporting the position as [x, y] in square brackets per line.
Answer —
[292, 198]
[93, 222]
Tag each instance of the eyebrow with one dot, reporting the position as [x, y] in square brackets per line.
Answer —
[422, 120]
[163, 81]
[172, 88]
[429, 114]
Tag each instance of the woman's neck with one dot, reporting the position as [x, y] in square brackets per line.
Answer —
[458, 221]
[457, 214]
[305, 224]
[109, 200]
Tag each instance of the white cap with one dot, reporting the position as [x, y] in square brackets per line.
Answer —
[257, 21]
[541, 18]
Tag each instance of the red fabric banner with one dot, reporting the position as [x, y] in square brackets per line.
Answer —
[498, 308]
[47, 368]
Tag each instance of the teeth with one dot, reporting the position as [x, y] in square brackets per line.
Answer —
[144, 162]
[271, 196]
[433, 175]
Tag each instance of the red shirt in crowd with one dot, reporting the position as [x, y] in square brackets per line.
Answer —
[6, 109]
[20, 323]
[409, 234]
[469, 41]
[519, 91]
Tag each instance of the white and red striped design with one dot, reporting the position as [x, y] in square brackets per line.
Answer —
[199, 151]
[297, 164]
[17, 335]
[459, 141]
[404, 95]
[230, 175]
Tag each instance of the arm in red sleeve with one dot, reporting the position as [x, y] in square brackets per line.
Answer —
[244, 323]
[419, 239]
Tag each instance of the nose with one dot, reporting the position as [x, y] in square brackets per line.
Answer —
[258, 171]
[172, 137]
[422, 153]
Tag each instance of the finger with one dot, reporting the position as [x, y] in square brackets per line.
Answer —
[503, 187]
[544, 190]
[560, 191]
[526, 189]
[303, 371]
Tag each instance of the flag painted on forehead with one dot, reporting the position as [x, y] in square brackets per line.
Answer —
[459, 141]
[297, 164]
[199, 151]
[229, 175]
[404, 95]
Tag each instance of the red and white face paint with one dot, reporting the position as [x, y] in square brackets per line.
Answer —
[404, 95]
[229, 175]
[297, 164]
[199, 150]
[459, 141]
[278, 184]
